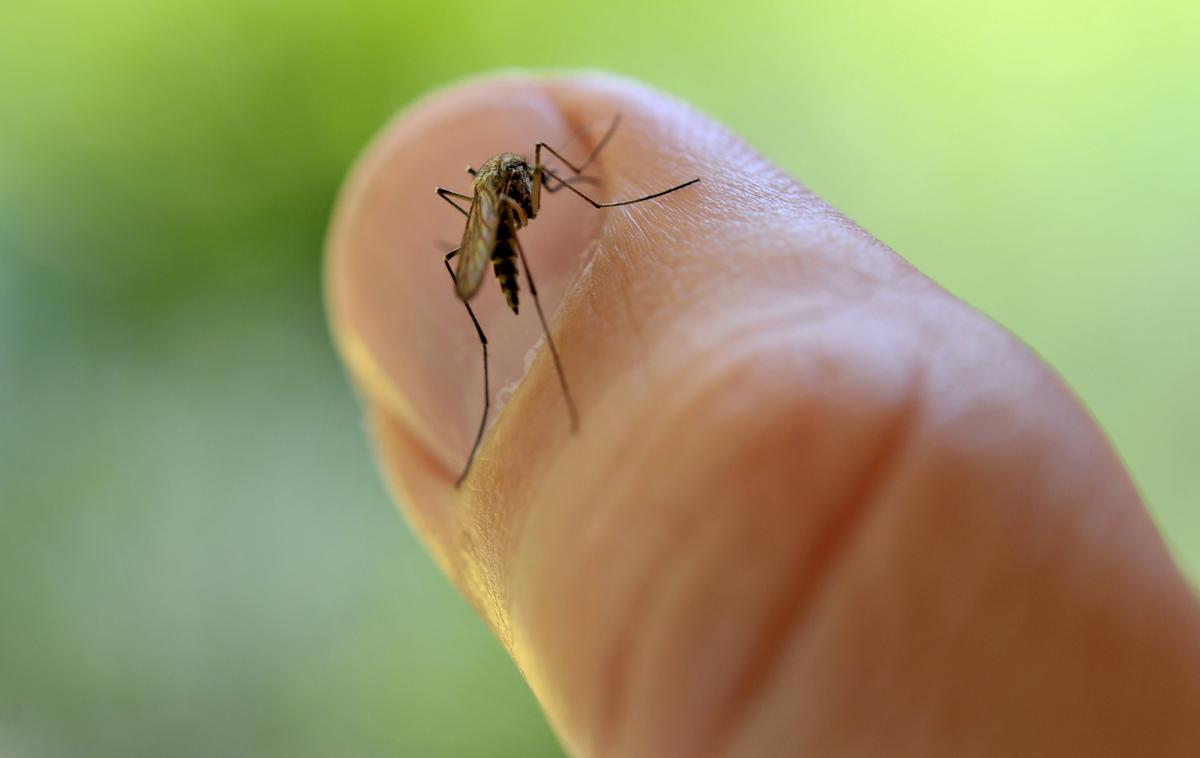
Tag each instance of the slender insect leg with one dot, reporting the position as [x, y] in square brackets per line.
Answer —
[562, 377]
[595, 204]
[569, 180]
[449, 195]
[591, 156]
[538, 178]
[486, 394]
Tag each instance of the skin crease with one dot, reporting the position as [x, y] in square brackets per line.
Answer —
[817, 506]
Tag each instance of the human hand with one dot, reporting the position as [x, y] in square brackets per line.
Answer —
[816, 505]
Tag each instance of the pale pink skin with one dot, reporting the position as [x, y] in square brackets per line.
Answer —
[817, 506]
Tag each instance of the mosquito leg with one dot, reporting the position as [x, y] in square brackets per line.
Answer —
[622, 202]
[569, 180]
[486, 399]
[562, 377]
[449, 195]
[591, 156]
[550, 341]
[538, 180]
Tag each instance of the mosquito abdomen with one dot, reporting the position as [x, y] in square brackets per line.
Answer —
[504, 264]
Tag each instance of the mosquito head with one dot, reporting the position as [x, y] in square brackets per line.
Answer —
[509, 174]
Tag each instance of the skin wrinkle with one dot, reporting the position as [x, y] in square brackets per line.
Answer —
[800, 594]
[696, 377]
[707, 382]
[763, 448]
[619, 468]
[622, 651]
[1010, 528]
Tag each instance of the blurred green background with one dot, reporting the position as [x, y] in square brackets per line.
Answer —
[196, 555]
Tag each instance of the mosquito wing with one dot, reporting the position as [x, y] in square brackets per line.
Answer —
[479, 240]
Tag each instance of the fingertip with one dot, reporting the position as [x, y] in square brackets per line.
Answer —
[738, 238]
[579, 548]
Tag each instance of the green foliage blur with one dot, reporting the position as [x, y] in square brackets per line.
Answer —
[197, 557]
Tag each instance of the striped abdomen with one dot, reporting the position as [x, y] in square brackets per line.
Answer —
[504, 264]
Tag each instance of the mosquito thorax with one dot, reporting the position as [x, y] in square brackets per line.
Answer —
[509, 174]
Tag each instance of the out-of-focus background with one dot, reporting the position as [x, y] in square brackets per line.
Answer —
[196, 555]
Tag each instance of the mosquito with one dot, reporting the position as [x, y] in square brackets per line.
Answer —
[507, 196]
